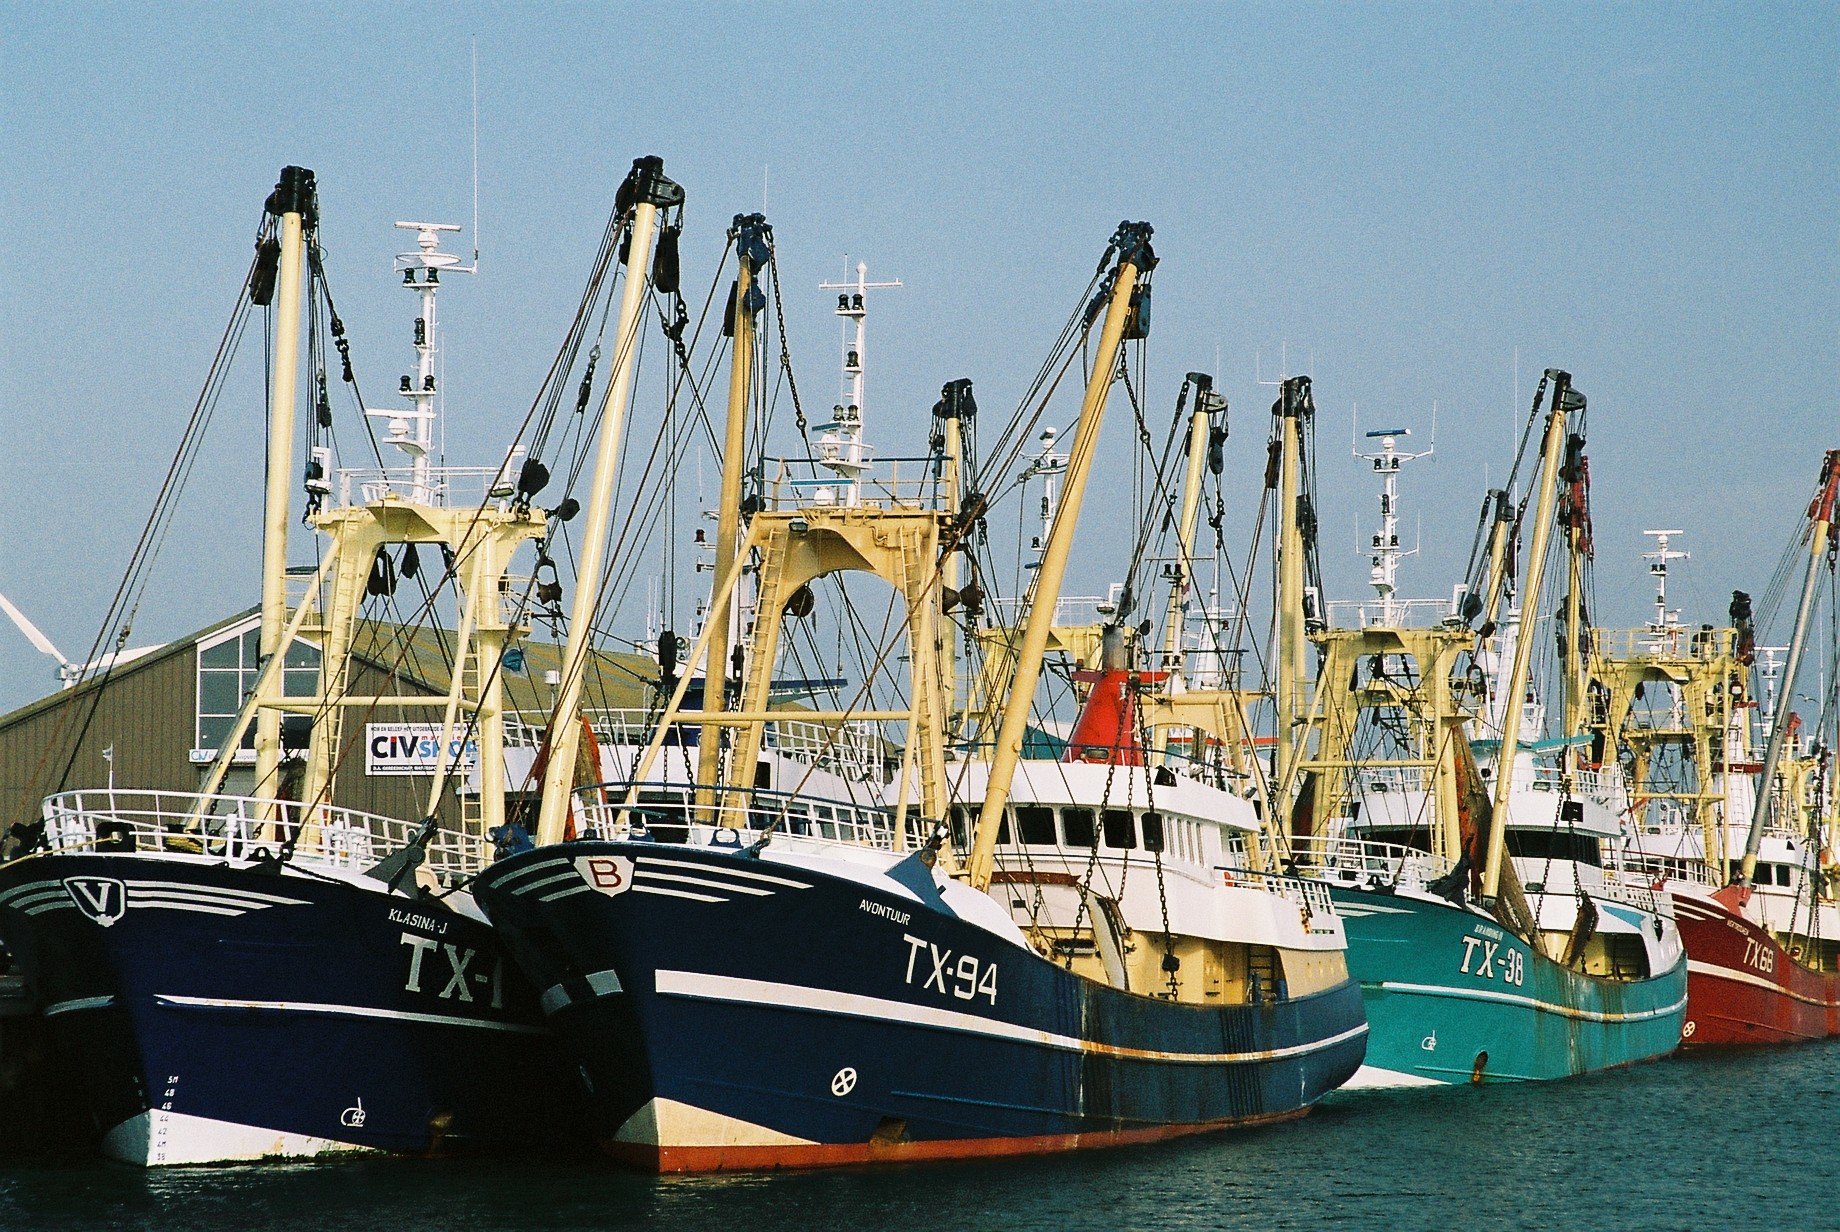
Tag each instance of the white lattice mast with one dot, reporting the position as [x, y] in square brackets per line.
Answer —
[412, 428]
[1386, 554]
[840, 444]
[1049, 464]
[1666, 623]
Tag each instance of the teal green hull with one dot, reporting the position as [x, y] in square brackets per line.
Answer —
[1451, 997]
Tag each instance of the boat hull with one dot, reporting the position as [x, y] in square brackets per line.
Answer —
[1451, 997]
[738, 1013]
[1743, 987]
[204, 1012]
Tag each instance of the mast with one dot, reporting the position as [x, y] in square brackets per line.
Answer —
[841, 448]
[295, 205]
[1666, 626]
[955, 406]
[649, 191]
[1500, 539]
[1131, 243]
[1575, 517]
[753, 240]
[1208, 404]
[1383, 574]
[1565, 400]
[412, 430]
[1294, 405]
[1820, 531]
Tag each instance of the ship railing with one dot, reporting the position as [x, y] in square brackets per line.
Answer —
[1392, 778]
[672, 812]
[1636, 894]
[1403, 613]
[1674, 642]
[884, 483]
[1068, 609]
[1341, 857]
[1648, 869]
[1594, 784]
[1310, 897]
[243, 828]
[452, 487]
[851, 749]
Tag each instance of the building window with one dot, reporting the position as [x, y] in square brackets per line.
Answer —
[227, 671]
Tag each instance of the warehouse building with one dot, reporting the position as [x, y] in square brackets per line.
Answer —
[155, 721]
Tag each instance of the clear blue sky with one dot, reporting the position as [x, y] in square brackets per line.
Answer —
[1401, 195]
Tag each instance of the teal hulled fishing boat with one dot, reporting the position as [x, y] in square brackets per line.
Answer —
[1493, 933]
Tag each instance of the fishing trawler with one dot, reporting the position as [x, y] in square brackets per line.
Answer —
[954, 985]
[1493, 936]
[236, 977]
[1739, 836]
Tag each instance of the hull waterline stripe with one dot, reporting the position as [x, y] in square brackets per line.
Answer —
[544, 866]
[1714, 971]
[79, 1003]
[29, 901]
[344, 1011]
[700, 986]
[29, 889]
[253, 896]
[166, 904]
[1547, 1007]
[700, 867]
[701, 898]
[730, 886]
[531, 887]
[692, 1159]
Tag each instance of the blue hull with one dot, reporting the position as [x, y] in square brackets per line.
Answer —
[732, 1012]
[204, 1012]
[1452, 997]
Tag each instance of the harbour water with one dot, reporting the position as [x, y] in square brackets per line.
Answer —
[1733, 1140]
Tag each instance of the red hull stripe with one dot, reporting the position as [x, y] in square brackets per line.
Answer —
[680, 1159]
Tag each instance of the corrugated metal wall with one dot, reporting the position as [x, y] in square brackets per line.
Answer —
[145, 711]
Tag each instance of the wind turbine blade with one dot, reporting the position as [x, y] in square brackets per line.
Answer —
[32, 632]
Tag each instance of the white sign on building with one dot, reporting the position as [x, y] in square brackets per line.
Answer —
[410, 748]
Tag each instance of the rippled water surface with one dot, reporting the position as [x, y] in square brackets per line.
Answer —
[1732, 1141]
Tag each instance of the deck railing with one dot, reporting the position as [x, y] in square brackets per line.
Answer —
[885, 483]
[671, 811]
[1345, 858]
[1310, 897]
[241, 828]
[1648, 869]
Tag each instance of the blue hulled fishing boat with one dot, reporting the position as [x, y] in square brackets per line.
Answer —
[965, 965]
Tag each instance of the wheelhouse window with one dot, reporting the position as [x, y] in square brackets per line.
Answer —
[1555, 845]
[1036, 825]
[1077, 827]
[1120, 828]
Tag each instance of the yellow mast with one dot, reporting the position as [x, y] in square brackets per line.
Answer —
[1200, 425]
[649, 190]
[1820, 529]
[295, 204]
[1499, 542]
[1135, 260]
[1293, 405]
[752, 239]
[1565, 400]
[1571, 474]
